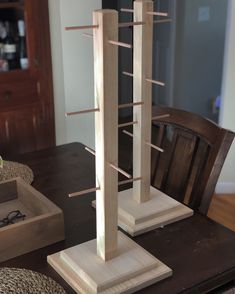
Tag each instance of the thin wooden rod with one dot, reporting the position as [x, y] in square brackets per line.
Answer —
[128, 124]
[156, 82]
[128, 133]
[121, 44]
[147, 143]
[75, 194]
[88, 35]
[158, 21]
[127, 10]
[129, 74]
[160, 116]
[154, 147]
[129, 181]
[157, 13]
[131, 24]
[90, 150]
[120, 171]
[126, 105]
[112, 165]
[81, 27]
[82, 111]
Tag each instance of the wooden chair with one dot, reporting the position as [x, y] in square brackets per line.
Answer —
[195, 151]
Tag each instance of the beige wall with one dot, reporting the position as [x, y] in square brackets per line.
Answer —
[58, 72]
[227, 117]
[72, 56]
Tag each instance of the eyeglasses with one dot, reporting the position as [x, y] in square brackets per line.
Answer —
[11, 218]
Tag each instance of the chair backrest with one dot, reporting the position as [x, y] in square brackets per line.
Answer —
[195, 149]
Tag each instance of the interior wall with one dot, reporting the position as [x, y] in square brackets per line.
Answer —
[73, 69]
[227, 117]
[58, 71]
[200, 36]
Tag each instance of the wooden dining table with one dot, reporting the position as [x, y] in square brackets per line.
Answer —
[200, 252]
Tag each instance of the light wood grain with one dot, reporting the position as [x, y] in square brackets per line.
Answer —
[82, 111]
[118, 169]
[130, 24]
[129, 181]
[132, 269]
[159, 83]
[72, 28]
[106, 133]
[121, 44]
[127, 105]
[129, 74]
[142, 91]
[159, 21]
[154, 147]
[90, 150]
[128, 124]
[127, 10]
[87, 191]
[160, 210]
[160, 116]
[156, 13]
[42, 226]
[222, 210]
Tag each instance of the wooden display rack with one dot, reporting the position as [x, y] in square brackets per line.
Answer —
[113, 263]
[144, 208]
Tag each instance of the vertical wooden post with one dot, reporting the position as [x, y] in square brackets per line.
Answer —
[142, 91]
[106, 134]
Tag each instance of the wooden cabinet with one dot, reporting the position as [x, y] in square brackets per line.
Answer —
[26, 96]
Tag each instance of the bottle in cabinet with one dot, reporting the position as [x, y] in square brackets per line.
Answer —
[3, 61]
[9, 48]
[22, 46]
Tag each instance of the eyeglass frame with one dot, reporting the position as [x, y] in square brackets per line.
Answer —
[10, 220]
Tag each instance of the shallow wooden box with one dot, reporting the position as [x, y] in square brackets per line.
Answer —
[42, 226]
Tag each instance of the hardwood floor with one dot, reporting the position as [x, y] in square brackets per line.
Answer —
[222, 210]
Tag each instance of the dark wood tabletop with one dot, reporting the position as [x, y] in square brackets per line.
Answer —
[200, 251]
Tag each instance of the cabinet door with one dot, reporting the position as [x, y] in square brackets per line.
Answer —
[20, 130]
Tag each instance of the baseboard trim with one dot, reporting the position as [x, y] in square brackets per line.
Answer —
[225, 188]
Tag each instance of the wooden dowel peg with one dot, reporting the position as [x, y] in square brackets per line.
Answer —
[154, 147]
[128, 124]
[121, 44]
[112, 165]
[126, 105]
[82, 111]
[72, 28]
[128, 133]
[160, 116]
[131, 24]
[129, 74]
[120, 171]
[90, 150]
[88, 35]
[129, 181]
[155, 13]
[127, 10]
[159, 21]
[75, 194]
[156, 82]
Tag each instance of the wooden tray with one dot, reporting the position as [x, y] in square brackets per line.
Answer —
[42, 226]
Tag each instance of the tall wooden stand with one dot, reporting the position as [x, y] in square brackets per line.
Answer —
[143, 207]
[112, 263]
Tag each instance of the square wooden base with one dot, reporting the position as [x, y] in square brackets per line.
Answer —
[160, 210]
[132, 269]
